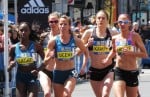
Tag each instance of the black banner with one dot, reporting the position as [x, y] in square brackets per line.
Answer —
[34, 11]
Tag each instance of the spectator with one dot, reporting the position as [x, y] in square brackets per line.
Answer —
[115, 29]
[14, 38]
[2, 75]
[135, 27]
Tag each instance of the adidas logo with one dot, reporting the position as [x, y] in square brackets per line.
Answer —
[35, 7]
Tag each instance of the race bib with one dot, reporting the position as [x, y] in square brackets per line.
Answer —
[25, 60]
[101, 49]
[128, 47]
[64, 55]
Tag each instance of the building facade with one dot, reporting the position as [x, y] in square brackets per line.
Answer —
[139, 10]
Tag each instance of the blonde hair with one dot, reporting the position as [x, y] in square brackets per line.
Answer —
[107, 16]
[93, 19]
[57, 14]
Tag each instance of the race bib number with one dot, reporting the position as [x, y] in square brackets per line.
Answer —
[100, 49]
[120, 48]
[65, 55]
[25, 60]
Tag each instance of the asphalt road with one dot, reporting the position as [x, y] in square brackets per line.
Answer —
[83, 88]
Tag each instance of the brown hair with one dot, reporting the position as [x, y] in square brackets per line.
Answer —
[67, 18]
[69, 21]
[125, 15]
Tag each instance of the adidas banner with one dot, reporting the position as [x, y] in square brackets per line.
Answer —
[34, 11]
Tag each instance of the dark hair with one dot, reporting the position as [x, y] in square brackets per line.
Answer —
[33, 36]
[26, 23]
[128, 16]
[115, 24]
[10, 30]
[67, 18]
[13, 41]
[1, 23]
[76, 23]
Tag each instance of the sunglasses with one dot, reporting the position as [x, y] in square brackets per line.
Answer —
[125, 22]
[56, 21]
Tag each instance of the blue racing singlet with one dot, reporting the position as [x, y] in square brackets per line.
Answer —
[64, 51]
[25, 57]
